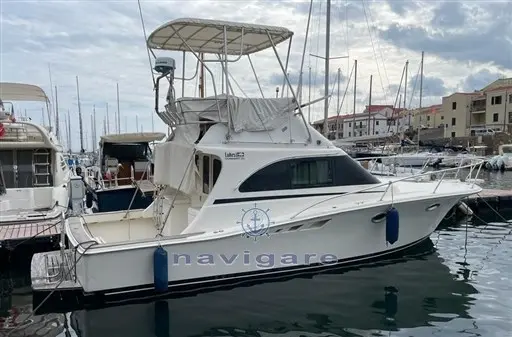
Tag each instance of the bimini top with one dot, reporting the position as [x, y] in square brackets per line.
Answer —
[22, 92]
[133, 137]
[207, 36]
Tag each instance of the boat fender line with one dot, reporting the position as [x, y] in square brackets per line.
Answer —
[392, 225]
[464, 208]
[160, 270]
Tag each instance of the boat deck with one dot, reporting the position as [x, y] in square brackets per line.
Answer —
[18, 231]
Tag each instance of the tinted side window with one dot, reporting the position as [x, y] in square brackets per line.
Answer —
[216, 169]
[206, 174]
[349, 172]
[273, 177]
[311, 173]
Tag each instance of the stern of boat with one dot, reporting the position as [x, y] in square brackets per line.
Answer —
[53, 276]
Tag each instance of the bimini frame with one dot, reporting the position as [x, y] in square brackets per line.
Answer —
[222, 38]
[24, 92]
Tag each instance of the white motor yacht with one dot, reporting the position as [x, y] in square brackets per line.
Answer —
[241, 182]
[33, 173]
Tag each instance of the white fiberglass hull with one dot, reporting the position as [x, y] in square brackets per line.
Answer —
[346, 237]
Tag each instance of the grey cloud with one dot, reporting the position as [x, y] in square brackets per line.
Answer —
[276, 79]
[479, 80]
[401, 7]
[432, 86]
[449, 14]
[489, 45]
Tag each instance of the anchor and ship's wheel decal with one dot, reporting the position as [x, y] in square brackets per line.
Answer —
[255, 222]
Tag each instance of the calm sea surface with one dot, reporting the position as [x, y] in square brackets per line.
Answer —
[457, 284]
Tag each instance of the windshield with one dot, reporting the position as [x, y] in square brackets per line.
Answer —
[127, 151]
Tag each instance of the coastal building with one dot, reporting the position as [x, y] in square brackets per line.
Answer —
[375, 120]
[463, 114]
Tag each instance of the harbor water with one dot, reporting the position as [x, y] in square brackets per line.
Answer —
[459, 283]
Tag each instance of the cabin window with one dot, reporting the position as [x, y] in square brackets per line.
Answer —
[206, 174]
[217, 165]
[311, 173]
[308, 173]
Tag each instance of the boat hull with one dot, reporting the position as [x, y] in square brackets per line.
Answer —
[344, 238]
[65, 299]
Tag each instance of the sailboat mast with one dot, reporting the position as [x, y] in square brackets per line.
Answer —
[355, 96]
[80, 116]
[66, 130]
[337, 104]
[94, 128]
[92, 133]
[57, 126]
[108, 121]
[421, 92]
[309, 96]
[421, 78]
[69, 132]
[326, 87]
[370, 107]
[119, 111]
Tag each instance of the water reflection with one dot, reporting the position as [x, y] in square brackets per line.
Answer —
[412, 292]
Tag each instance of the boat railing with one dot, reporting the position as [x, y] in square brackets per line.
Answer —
[219, 40]
[393, 164]
[468, 178]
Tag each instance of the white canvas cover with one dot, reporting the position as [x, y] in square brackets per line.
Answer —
[22, 92]
[247, 114]
[173, 164]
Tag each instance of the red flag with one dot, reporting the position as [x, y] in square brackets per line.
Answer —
[2, 130]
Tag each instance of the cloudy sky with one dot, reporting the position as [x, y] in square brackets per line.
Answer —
[467, 44]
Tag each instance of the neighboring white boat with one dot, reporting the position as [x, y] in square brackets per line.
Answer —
[124, 178]
[33, 172]
[505, 151]
[502, 161]
[240, 181]
[414, 159]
